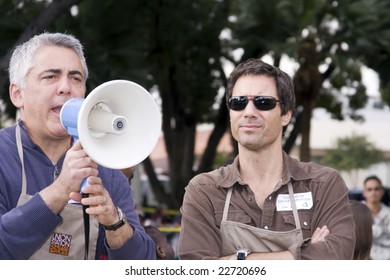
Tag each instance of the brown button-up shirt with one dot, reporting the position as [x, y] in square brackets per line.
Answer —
[205, 196]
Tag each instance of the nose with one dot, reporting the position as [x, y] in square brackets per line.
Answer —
[250, 109]
[64, 87]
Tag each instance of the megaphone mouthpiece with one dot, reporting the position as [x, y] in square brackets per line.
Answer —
[100, 120]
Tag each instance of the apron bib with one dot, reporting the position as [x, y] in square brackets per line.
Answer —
[67, 240]
[236, 235]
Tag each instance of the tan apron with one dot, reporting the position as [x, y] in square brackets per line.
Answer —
[68, 239]
[236, 235]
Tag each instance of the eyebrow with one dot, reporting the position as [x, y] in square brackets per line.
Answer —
[57, 71]
[75, 72]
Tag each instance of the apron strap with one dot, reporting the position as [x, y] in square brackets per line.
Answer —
[293, 205]
[20, 152]
[86, 229]
[227, 203]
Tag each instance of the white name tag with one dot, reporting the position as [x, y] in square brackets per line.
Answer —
[302, 200]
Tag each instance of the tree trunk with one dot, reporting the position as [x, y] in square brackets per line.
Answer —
[158, 190]
[305, 154]
[181, 161]
[291, 138]
[220, 127]
[307, 83]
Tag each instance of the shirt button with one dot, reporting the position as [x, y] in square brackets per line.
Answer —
[305, 223]
[270, 197]
[265, 227]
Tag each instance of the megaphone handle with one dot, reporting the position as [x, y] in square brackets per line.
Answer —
[85, 215]
[86, 221]
[83, 183]
[84, 195]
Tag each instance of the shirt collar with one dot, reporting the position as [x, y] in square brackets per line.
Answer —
[292, 171]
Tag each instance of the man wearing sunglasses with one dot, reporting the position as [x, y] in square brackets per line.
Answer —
[373, 193]
[265, 204]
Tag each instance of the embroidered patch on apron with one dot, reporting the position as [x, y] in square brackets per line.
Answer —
[60, 244]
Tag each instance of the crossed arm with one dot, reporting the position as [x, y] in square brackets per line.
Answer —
[319, 235]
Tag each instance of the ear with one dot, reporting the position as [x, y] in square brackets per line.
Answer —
[160, 252]
[15, 94]
[364, 194]
[286, 118]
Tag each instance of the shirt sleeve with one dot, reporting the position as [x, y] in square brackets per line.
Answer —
[332, 209]
[138, 247]
[199, 236]
[25, 228]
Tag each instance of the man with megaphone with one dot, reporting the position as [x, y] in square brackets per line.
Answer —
[42, 168]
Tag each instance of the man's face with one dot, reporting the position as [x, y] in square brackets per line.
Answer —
[56, 76]
[252, 128]
[373, 191]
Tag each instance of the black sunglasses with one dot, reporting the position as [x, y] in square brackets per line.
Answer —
[262, 103]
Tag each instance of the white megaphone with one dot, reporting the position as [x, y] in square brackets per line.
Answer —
[118, 123]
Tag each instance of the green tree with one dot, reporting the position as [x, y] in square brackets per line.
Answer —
[351, 154]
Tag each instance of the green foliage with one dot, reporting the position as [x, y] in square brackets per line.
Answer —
[113, 33]
[385, 94]
[222, 159]
[352, 153]
[15, 16]
[329, 101]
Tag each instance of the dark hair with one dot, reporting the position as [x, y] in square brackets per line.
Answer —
[362, 222]
[257, 67]
[154, 233]
[373, 177]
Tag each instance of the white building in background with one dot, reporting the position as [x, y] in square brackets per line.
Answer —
[376, 127]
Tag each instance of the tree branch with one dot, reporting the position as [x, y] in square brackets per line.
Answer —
[42, 22]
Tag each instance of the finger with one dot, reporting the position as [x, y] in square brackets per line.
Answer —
[324, 230]
[76, 146]
[76, 196]
[94, 200]
[93, 188]
[322, 233]
[325, 233]
[98, 210]
[94, 180]
[316, 235]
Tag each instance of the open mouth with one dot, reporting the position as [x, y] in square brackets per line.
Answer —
[56, 110]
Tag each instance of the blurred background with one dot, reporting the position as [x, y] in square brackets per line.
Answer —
[338, 53]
